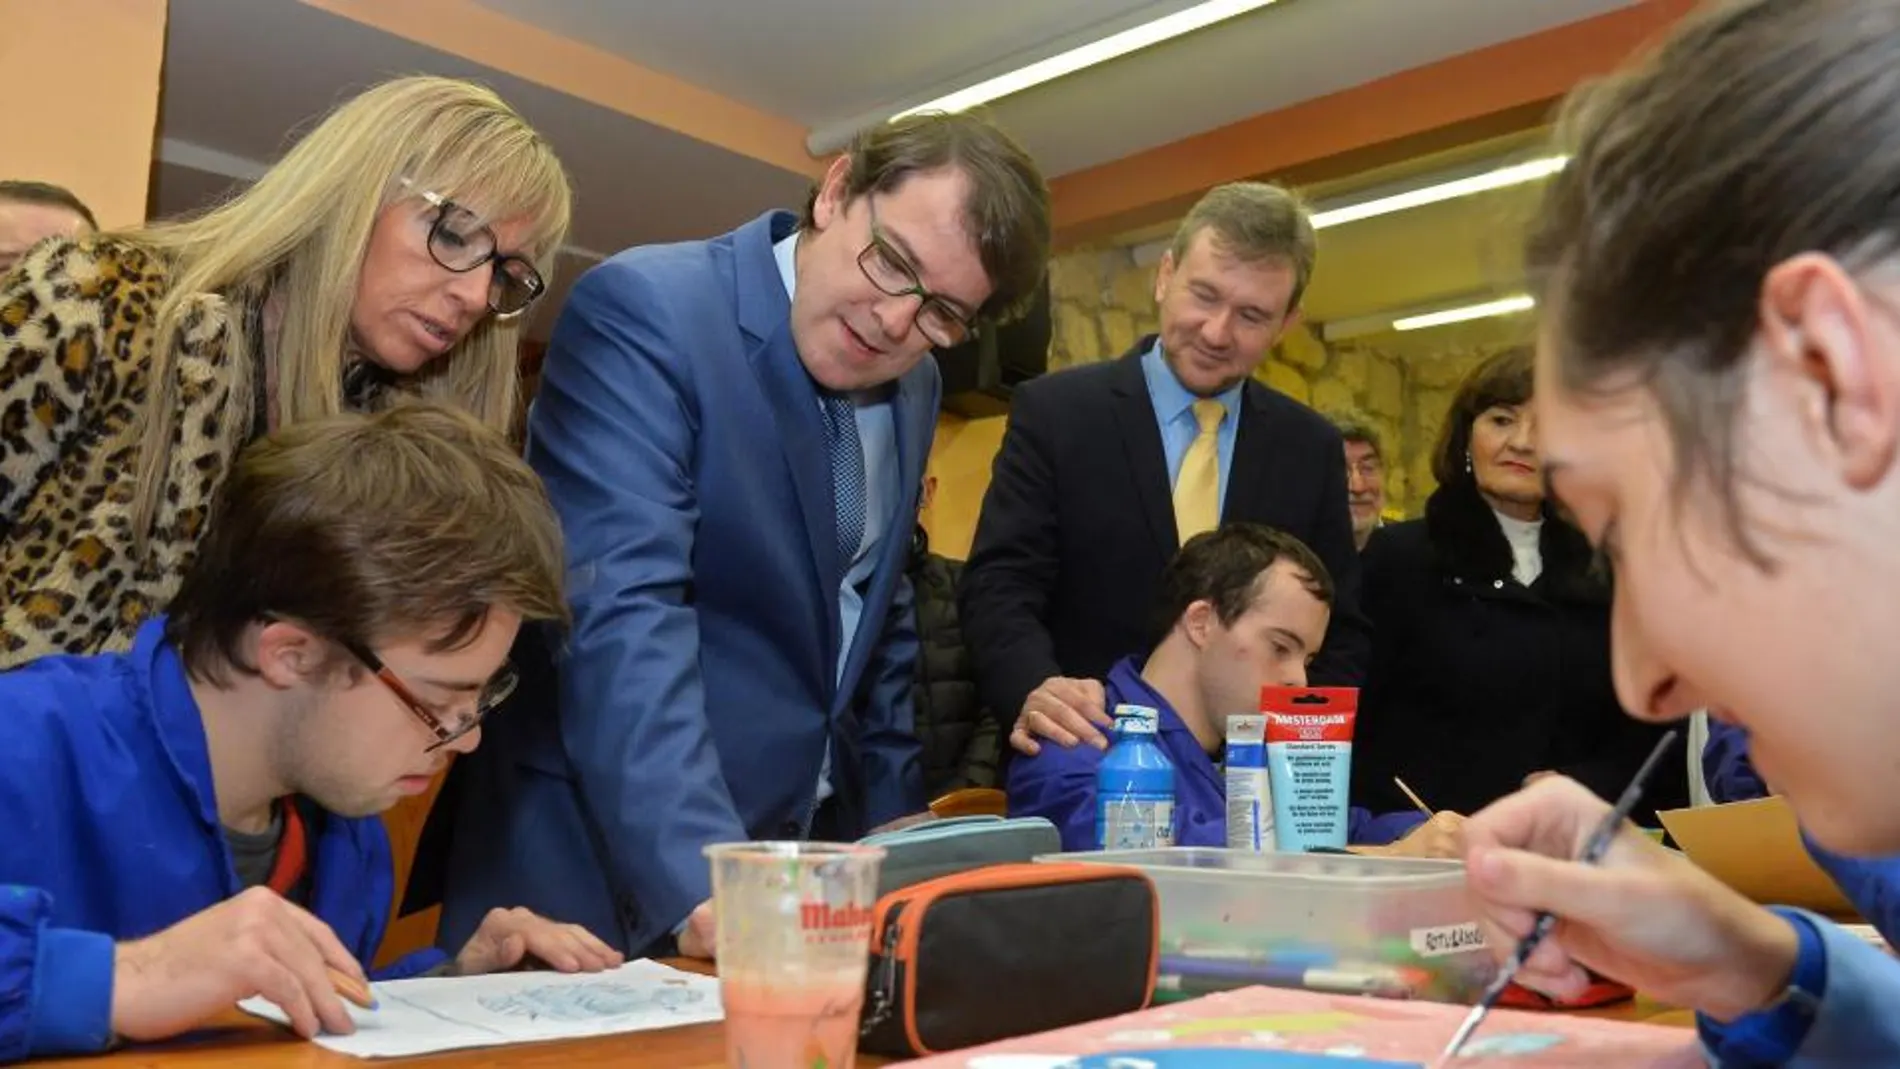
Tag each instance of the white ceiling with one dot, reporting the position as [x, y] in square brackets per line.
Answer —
[818, 61]
[826, 62]
[635, 182]
[243, 76]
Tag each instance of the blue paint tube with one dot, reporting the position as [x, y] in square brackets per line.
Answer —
[1249, 793]
[1309, 763]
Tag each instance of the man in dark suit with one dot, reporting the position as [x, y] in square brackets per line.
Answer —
[733, 432]
[1107, 469]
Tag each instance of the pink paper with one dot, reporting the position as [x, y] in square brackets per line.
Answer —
[1263, 1018]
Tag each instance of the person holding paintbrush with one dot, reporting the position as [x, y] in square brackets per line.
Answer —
[1719, 405]
[195, 821]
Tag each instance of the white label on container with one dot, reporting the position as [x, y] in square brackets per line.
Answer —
[1450, 939]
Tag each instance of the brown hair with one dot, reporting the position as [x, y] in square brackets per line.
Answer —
[1007, 212]
[1224, 566]
[1756, 131]
[1505, 378]
[1254, 221]
[46, 195]
[416, 520]
[1355, 426]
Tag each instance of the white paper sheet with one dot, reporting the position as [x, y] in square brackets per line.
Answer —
[452, 1013]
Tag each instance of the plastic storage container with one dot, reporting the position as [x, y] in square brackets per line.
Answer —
[1394, 927]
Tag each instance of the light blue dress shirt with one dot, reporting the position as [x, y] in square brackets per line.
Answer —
[1174, 412]
[877, 435]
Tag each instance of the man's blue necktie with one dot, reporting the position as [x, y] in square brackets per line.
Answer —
[847, 473]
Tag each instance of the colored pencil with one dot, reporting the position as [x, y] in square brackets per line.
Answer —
[350, 989]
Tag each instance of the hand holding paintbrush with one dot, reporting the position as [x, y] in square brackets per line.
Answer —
[1540, 929]
[1634, 911]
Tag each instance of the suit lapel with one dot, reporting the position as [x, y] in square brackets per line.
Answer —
[1254, 474]
[1141, 444]
[765, 317]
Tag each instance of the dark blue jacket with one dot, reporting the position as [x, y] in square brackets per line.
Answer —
[109, 832]
[1059, 783]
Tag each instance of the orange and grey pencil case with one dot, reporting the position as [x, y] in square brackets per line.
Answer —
[1005, 951]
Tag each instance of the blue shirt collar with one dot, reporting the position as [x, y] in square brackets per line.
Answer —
[785, 254]
[1172, 399]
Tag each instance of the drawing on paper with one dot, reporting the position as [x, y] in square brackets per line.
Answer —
[1511, 1043]
[591, 1001]
[436, 1013]
[1277, 1028]
[1224, 1058]
[1282, 1024]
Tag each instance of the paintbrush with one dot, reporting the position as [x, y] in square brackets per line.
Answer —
[1416, 800]
[1593, 851]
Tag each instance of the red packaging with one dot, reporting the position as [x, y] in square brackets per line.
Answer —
[1309, 763]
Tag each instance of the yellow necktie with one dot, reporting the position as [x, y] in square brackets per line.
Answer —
[1197, 488]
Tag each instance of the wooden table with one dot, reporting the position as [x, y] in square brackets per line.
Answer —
[241, 1040]
[238, 1039]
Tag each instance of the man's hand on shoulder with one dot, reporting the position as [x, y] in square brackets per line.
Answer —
[1066, 711]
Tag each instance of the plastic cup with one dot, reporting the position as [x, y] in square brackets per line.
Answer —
[794, 923]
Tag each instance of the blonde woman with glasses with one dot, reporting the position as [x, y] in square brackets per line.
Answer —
[392, 250]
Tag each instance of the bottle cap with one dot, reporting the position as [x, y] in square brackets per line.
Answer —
[1137, 719]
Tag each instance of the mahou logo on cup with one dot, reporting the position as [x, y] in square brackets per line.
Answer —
[823, 916]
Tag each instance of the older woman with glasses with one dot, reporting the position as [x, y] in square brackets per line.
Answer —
[392, 250]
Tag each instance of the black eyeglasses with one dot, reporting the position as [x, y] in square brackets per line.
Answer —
[499, 687]
[461, 242]
[939, 320]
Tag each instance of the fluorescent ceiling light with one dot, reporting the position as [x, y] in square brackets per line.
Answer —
[1516, 174]
[1505, 306]
[1132, 39]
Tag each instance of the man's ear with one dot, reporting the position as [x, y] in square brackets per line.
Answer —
[1288, 325]
[287, 655]
[1164, 273]
[830, 202]
[1819, 336]
[1198, 622]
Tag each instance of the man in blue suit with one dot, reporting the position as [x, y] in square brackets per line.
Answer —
[733, 432]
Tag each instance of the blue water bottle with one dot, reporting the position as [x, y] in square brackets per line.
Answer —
[1134, 789]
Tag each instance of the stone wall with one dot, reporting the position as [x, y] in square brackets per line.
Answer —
[1102, 301]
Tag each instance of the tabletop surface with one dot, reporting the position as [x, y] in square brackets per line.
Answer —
[240, 1040]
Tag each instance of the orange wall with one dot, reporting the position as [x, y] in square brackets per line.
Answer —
[85, 107]
[960, 459]
[406, 935]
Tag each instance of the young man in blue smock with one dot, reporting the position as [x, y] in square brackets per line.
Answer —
[194, 821]
[1241, 607]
